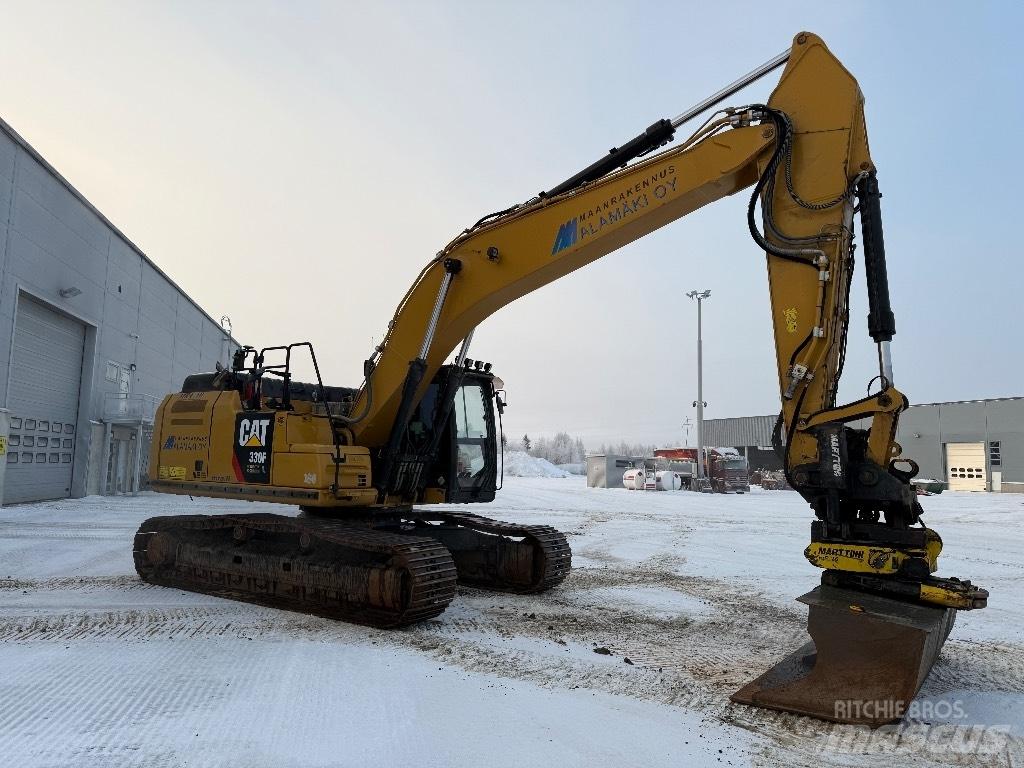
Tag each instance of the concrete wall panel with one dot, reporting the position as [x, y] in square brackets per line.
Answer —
[124, 272]
[47, 230]
[8, 150]
[962, 422]
[918, 433]
[48, 192]
[156, 289]
[1006, 425]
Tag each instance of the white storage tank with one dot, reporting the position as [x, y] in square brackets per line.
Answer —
[634, 479]
[667, 480]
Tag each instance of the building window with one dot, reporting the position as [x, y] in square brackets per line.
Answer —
[112, 371]
[995, 457]
[15, 422]
[12, 458]
[26, 458]
[30, 423]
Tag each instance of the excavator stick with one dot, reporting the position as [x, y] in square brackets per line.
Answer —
[867, 659]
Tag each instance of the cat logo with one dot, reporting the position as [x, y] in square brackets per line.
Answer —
[252, 433]
[254, 438]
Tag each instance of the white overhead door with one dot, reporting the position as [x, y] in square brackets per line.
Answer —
[46, 375]
[965, 464]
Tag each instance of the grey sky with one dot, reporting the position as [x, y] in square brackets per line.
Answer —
[293, 166]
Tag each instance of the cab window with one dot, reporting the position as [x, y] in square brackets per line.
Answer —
[471, 435]
[470, 420]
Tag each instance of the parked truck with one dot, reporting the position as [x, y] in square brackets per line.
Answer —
[725, 472]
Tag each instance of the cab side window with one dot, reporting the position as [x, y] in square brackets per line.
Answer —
[470, 436]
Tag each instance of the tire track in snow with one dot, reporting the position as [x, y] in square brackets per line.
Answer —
[73, 583]
[99, 699]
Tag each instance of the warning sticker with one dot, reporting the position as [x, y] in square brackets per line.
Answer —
[790, 316]
[171, 473]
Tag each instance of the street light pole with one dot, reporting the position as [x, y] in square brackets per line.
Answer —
[699, 296]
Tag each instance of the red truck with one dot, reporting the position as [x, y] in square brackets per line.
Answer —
[726, 472]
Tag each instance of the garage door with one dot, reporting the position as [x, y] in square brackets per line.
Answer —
[966, 466]
[46, 374]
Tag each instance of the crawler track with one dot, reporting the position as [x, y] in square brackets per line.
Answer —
[492, 554]
[318, 566]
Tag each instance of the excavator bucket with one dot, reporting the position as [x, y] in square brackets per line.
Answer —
[867, 659]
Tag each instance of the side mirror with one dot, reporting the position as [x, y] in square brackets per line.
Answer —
[500, 401]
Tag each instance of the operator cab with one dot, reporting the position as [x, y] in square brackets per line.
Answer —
[451, 446]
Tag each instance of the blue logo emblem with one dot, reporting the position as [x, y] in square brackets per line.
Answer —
[170, 443]
[566, 236]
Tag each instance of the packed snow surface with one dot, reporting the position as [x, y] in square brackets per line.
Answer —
[98, 669]
[522, 464]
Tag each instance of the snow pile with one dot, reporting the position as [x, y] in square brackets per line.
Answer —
[522, 464]
[573, 469]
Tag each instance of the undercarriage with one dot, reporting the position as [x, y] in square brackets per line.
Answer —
[381, 570]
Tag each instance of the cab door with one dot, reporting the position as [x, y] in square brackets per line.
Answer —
[474, 459]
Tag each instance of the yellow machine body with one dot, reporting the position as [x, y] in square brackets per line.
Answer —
[205, 444]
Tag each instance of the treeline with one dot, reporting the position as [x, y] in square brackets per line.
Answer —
[629, 449]
[560, 449]
[565, 449]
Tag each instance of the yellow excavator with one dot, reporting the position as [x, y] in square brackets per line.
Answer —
[366, 464]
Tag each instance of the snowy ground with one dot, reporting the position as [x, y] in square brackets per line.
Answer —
[98, 669]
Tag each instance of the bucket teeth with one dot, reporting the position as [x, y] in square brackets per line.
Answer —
[867, 659]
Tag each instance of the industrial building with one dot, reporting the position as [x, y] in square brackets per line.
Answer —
[972, 445]
[92, 333]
